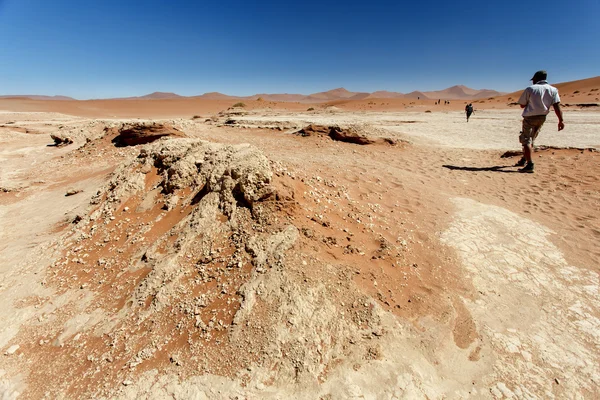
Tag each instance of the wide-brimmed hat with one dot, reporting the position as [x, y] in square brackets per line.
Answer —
[539, 76]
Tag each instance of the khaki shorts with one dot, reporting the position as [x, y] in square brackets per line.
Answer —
[531, 128]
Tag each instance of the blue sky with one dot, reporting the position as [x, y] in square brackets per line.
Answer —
[112, 48]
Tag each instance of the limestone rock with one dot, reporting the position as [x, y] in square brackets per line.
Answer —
[343, 134]
[314, 130]
[61, 140]
[142, 133]
[72, 192]
[349, 135]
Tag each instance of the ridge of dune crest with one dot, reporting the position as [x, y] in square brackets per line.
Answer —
[456, 92]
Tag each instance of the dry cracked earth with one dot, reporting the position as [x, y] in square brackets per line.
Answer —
[236, 257]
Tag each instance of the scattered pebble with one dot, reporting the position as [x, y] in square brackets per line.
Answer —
[12, 349]
[72, 192]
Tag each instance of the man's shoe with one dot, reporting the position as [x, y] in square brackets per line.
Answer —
[527, 168]
[521, 162]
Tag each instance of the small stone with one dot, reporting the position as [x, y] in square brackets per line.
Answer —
[496, 393]
[72, 192]
[505, 390]
[60, 140]
[127, 383]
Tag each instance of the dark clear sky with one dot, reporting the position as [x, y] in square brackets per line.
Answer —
[110, 48]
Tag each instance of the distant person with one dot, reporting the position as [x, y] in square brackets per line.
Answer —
[536, 100]
[469, 110]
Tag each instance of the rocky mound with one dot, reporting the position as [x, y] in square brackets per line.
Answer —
[133, 134]
[70, 133]
[349, 135]
[233, 112]
[314, 130]
[352, 134]
[189, 263]
[61, 140]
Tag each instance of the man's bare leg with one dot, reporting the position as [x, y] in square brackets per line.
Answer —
[527, 152]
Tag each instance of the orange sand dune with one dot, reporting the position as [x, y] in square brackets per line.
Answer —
[580, 91]
[461, 92]
[572, 93]
[139, 108]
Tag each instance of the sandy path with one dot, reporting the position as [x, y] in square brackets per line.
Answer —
[487, 129]
[500, 129]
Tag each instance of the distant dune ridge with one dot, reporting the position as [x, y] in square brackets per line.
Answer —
[160, 95]
[35, 97]
[460, 92]
[587, 86]
[416, 95]
[455, 92]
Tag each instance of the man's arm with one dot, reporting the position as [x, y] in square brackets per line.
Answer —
[524, 99]
[558, 111]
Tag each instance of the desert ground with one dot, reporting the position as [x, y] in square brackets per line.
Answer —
[250, 253]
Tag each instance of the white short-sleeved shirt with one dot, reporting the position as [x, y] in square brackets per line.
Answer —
[538, 99]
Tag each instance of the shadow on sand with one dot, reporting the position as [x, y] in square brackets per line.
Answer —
[496, 168]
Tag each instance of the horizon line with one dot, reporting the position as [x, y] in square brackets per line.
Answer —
[13, 95]
[240, 96]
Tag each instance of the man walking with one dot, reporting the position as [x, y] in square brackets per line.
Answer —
[469, 110]
[536, 100]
